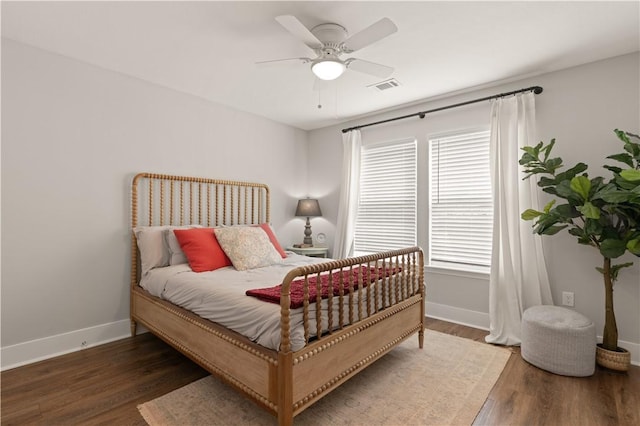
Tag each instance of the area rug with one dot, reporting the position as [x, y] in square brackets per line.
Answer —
[446, 383]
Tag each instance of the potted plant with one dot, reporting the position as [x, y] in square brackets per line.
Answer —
[601, 213]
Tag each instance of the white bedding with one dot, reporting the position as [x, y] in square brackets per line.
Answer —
[220, 296]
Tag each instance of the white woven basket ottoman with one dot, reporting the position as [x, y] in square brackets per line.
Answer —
[559, 340]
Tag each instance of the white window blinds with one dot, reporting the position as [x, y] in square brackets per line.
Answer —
[460, 200]
[387, 207]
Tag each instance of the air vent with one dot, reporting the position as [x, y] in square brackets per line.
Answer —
[385, 85]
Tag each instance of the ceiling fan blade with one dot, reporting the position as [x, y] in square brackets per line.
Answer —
[367, 67]
[283, 61]
[295, 27]
[370, 35]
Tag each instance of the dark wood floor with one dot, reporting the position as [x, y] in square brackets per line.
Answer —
[104, 385]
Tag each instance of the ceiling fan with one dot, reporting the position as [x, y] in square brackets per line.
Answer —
[330, 41]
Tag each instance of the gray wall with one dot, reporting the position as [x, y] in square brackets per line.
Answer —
[580, 107]
[73, 136]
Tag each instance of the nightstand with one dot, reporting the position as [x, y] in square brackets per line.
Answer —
[310, 251]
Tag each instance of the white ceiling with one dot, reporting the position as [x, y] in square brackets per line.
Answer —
[208, 49]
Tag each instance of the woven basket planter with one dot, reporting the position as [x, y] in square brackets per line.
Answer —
[619, 360]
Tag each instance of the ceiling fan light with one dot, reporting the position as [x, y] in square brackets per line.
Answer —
[328, 69]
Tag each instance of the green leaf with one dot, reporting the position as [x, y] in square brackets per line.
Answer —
[547, 149]
[552, 230]
[553, 164]
[572, 172]
[545, 181]
[578, 232]
[631, 175]
[589, 210]
[582, 186]
[585, 241]
[616, 196]
[532, 151]
[635, 147]
[546, 224]
[563, 189]
[622, 136]
[632, 148]
[614, 169]
[592, 227]
[624, 183]
[597, 183]
[607, 189]
[530, 156]
[548, 206]
[616, 268]
[634, 246]
[609, 232]
[566, 211]
[613, 248]
[583, 237]
[623, 158]
[530, 214]
[526, 159]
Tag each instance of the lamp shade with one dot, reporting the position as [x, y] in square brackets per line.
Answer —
[308, 207]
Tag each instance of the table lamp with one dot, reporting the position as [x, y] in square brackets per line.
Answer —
[308, 208]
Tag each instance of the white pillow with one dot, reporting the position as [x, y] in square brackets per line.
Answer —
[176, 255]
[154, 252]
[247, 247]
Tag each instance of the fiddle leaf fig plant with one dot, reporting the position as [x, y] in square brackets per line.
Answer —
[600, 212]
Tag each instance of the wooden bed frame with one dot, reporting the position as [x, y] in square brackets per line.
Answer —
[282, 382]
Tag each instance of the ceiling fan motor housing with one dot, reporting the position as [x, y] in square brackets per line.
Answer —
[332, 37]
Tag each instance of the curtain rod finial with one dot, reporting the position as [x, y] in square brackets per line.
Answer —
[537, 90]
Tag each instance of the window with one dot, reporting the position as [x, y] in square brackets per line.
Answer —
[461, 209]
[387, 208]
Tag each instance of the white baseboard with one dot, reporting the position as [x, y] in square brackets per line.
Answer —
[40, 349]
[48, 347]
[456, 315]
[480, 320]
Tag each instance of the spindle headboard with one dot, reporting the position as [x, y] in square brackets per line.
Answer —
[158, 199]
[178, 200]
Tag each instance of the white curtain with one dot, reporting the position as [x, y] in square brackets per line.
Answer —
[518, 273]
[349, 191]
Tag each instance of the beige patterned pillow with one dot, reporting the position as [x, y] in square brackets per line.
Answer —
[247, 247]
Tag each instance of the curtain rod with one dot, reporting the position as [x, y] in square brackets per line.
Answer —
[536, 89]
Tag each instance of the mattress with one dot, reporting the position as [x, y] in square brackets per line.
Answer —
[220, 296]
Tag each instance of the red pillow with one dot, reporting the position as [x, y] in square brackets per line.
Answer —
[266, 228]
[202, 249]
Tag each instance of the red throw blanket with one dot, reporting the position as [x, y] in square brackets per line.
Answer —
[369, 275]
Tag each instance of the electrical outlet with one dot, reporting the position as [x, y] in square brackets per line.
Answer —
[567, 298]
